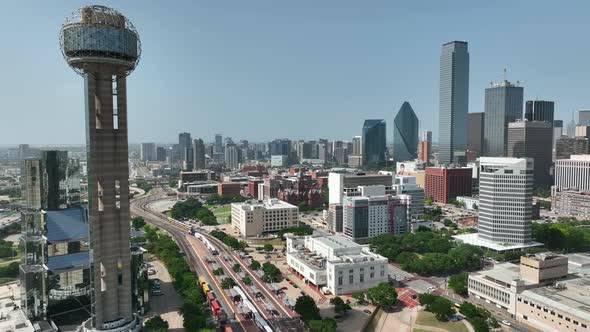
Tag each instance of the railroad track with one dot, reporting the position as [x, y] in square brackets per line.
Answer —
[289, 322]
[140, 207]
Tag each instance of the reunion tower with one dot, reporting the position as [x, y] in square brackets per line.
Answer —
[101, 44]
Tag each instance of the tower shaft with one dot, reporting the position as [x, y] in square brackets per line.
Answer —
[108, 193]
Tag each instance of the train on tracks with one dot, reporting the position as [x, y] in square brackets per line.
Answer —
[213, 303]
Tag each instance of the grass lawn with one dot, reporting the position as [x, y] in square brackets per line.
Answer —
[428, 319]
[419, 330]
[223, 211]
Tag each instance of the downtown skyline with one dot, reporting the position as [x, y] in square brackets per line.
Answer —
[363, 65]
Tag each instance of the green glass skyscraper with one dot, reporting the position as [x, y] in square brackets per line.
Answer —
[374, 146]
[405, 134]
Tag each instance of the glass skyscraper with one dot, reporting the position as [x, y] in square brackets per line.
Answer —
[503, 104]
[374, 146]
[454, 100]
[405, 134]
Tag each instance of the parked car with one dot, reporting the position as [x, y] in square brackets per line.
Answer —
[157, 292]
[367, 311]
[507, 323]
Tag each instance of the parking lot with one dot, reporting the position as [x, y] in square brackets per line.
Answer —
[166, 304]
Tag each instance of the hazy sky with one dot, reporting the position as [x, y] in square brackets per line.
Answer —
[259, 70]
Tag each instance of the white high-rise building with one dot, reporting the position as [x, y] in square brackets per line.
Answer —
[505, 204]
[573, 173]
[505, 199]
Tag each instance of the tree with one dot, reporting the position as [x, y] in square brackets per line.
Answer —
[271, 272]
[138, 222]
[428, 200]
[359, 297]
[458, 283]
[156, 324]
[324, 325]
[479, 325]
[237, 268]
[442, 308]
[268, 247]
[254, 265]
[218, 271]
[383, 295]
[227, 283]
[468, 310]
[247, 280]
[438, 305]
[340, 307]
[406, 258]
[306, 307]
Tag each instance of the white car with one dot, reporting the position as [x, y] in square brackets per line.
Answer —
[505, 322]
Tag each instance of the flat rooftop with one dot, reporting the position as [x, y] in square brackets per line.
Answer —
[268, 204]
[13, 319]
[477, 241]
[574, 298]
[336, 241]
[504, 272]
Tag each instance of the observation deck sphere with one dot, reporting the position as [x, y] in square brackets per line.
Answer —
[100, 35]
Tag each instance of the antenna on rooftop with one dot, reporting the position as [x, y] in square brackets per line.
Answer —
[505, 74]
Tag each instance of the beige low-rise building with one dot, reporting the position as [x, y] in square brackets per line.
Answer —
[254, 218]
[501, 285]
[564, 307]
[543, 268]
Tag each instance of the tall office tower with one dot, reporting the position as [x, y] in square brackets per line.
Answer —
[475, 132]
[503, 104]
[453, 99]
[531, 139]
[322, 151]
[51, 182]
[24, 151]
[505, 184]
[571, 127]
[557, 133]
[186, 150]
[539, 110]
[32, 183]
[374, 147]
[160, 153]
[584, 117]
[147, 152]
[233, 156]
[425, 146]
[198, 154]
[218, 147]
[103, 46]
[357, 146]
[565, 147]
[405, 134]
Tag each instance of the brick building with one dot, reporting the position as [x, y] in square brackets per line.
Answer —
[229, 188]
[445, 183]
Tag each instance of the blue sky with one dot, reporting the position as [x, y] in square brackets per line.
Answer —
[263, 69]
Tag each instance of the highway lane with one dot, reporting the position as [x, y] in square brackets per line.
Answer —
[139, 208]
